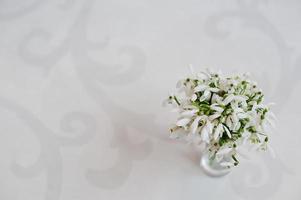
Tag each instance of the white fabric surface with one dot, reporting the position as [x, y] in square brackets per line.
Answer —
[81, 86]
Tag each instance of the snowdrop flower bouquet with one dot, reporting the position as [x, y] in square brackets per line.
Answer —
[221, 112]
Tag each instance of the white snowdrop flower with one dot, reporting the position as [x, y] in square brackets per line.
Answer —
[222, 112]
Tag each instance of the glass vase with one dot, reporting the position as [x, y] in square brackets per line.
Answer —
[213, 168]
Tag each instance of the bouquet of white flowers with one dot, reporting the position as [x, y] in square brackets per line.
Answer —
[221, 112]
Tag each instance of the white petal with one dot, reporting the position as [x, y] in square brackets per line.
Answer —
[244, 104]
[194, 125]
[219, 100]
[205, 135]
[216, 108]
[209, 127]
[254, 105]
[229, 122]
[213, 90]
[203, 75]
[241, 115]
[234, 120]
[227, 131]
[214, 116]
[231, 91]
[215, 97]
[188, 113]
[228, 99]
[205, 96]
[217, 132]
[234, 105]
[237, 126]
[183, 122]
[200, 88]
[202, 98]
[194, 97]
[240, 98]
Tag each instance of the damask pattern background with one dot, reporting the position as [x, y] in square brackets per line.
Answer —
[82, 83]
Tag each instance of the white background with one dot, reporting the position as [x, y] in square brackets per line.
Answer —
[81, 86]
